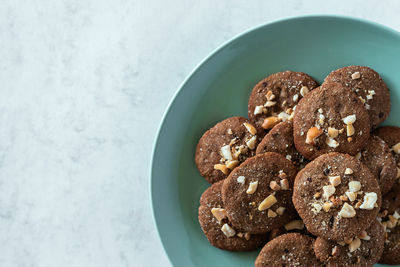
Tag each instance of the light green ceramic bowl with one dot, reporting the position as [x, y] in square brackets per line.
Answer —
[219, 88]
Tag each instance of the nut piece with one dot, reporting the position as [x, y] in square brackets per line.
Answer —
[251, 143]
[222, 168]
[304, 90]
[270, 122]
[258, 110]
[350, 119]
[348, 171]
[295, 98]
[335, 180]
[241, 179]
[226, 152]
[228, 231]
[271, 214]
[252, 187]
[329, 190]
[280, 210]
[316, 208]
[364, 236]
[354, 186]
[335, 251]
[396, 148]
[250, 128]
[396, 215]
[274, 186]
[247, 236]
[232, 164]
[358, 156]
[327, 206]
[331, 142]
[347, 211]
[269, 104]
[218, 213]
[354, 245]
[370, 199]
[355, 75]
[284, 184]
[351, 195]
[332, 132]
[350, 130]
[312, 134]
[296, 224]
[270, 95]
[267, 203]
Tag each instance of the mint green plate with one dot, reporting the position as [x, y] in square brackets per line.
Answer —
[220, 86]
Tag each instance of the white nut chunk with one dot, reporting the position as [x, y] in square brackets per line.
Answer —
[329, 190]
[370, 199]
[219, 213]
[241, 179]
[271, 214]
[226, 152]
[396, 148]
[251, 143]
[267, 203]
[350, 119]
[332, 132]
[280, 210]
[228, 231]
[304, 90]
[331, 142]
[296, 224]
[355, 75]
[354, 186]
[250, 128]
[335, 180]
[252, 188]
[258, 110]
[351, 195]
[348, 171]
[354, 245]
[347, 211]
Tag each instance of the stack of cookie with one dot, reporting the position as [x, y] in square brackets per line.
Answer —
[308, 175]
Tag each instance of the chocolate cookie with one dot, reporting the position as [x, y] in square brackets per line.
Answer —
[364, 250]
[330, 118]
[257, 194]
[292, 249]
[280, 140]
[336, 196]
[391, 135]
[377, 157]
[368, 86]
[217, 228]
[224, 147]
[274, 98]
[390, 215]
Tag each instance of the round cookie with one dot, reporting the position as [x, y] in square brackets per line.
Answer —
[377, 157]
[389, 216]
[276, 96]
[224, 147]
[391, 135]
[336, 196]
[280, 140]
[217, 228]
[257, 194]
[364, 250]
[291, 249]
[368, 86]
[330, 119]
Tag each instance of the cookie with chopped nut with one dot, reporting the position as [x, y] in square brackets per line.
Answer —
[257, 194]
[223, 147]
[291, 249]
[330, 118]
[368, 85]
[391, 135]
[274, 98]
[336, 196]
[363, 250]
[217, 228]
[280, 140]
[390, 217]
[377, 157]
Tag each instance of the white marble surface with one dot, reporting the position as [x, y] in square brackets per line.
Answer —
[83, 87]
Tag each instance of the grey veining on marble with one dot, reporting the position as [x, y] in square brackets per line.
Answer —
[84, 85]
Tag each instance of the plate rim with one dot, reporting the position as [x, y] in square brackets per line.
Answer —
[211, 54]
